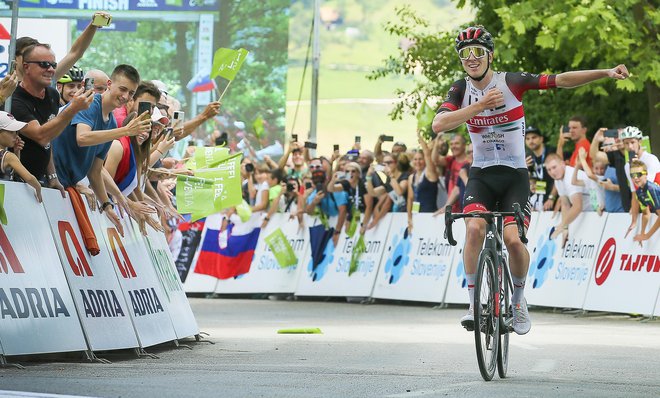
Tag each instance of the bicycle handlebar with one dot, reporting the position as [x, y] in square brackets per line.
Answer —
[517, 214]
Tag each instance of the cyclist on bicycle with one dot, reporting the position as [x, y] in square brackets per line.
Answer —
[490, 103]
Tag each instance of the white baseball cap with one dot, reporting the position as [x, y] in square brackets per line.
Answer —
[9, 123]
[157, 116]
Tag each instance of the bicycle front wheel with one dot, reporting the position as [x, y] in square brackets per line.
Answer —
[486, 314]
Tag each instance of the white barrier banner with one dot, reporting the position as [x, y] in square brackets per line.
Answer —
[266, 275]
[179, 309]
[37, 312]
[415, 266]
[146, 301]
[626, 277]
[99, 300]
[201, 283]
[558, 276]
[330, 277]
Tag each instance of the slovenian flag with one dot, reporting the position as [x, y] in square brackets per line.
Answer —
[229, 253]
[201, 82]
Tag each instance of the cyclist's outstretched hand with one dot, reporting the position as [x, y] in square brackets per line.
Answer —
[494, 98]
[619, 72]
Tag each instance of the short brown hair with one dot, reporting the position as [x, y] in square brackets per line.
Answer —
[638, 163]
[581, 119]
[551, 156]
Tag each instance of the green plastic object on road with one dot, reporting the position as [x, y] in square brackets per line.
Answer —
[300, 331]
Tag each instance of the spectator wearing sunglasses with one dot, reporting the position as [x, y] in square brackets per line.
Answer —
[75, 53]
[36, 103]
[323, 203]
[647, 195]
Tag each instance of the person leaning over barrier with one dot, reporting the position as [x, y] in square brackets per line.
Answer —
[647, 194]
[323, 203]
[10, 162]
[82, 147]
[36, 103]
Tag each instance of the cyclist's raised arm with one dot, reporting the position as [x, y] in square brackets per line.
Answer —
[579, 77]
[431, 171]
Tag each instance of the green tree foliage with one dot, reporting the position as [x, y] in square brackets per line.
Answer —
[261, 27]
[552, 37]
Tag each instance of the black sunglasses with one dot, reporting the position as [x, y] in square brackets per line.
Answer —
[43, 64]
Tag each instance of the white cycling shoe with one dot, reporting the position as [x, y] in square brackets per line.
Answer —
[467, 321]
[522, 323]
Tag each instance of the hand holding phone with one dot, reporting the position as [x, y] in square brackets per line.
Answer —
[101, 19]
[611, 133]
[89, 84]
[12, 67]
[294, 137]
[144, 106]
[358, 139]
[335, 147]
[387, 138]
[310, 145]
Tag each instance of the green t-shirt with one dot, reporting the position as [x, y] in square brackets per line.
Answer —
[273, 192]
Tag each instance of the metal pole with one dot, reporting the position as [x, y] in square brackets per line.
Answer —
[316, 55]
[12, 44]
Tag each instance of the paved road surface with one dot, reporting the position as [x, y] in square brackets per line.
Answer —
[377, 350]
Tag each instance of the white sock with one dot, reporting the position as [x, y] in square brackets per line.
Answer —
[470, 284]
[518, 289]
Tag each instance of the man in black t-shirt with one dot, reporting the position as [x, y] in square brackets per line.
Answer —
[36, 103]
[544, 194]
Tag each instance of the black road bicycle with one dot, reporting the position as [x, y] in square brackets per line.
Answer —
[493, 315]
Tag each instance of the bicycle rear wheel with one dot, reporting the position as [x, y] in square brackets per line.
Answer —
[486, 315]
[506, 317]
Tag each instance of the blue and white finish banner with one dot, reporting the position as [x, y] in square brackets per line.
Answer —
[558, 274]
[415, 266]
[37, 312]
[330, 277]
[146, 300]
[266, 275]
[626, 277]
[103, 311]
[180, 312]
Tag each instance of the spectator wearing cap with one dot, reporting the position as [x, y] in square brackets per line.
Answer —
[83, 145]
[453, 164]
[9, 162]
[577, 132]
[647, 194]
[545, 194]
[324, 203]
[100, 80]
[36, 103]
[615, 174]
[351, 182]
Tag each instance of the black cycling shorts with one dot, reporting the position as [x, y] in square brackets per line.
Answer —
[497, 188]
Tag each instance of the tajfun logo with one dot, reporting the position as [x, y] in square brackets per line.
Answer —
[648, 263]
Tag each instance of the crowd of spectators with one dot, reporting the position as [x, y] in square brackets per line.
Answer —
[97, 141]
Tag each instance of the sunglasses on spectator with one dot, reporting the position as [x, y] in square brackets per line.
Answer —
[478, 52]
[638, 175]
[43, 64]
[315, 166]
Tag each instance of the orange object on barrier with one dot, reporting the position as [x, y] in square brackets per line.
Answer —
[91, 244]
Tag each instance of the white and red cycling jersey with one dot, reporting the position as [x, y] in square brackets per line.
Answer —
[498, 135]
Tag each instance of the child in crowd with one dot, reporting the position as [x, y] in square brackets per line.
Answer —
[596, 191]
[648, 196]
[9, 162]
